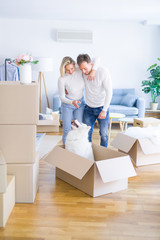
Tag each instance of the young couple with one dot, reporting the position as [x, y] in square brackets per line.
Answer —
[97, 83]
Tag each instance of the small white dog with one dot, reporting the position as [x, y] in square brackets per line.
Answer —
[77, 140]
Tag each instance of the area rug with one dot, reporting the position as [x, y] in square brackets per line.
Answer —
[48, 142]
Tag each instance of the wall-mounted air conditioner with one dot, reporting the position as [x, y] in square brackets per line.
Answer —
[74, 36]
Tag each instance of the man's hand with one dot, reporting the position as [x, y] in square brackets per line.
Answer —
[75, 103]
[92, 74]
[102, 115]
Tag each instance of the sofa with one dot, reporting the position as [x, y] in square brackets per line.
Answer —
[124, 100]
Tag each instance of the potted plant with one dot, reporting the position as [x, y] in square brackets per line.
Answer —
[152, 85]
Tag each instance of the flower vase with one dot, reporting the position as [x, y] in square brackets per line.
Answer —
[25, 73]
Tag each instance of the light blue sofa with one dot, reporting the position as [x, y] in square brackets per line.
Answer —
[123, 101]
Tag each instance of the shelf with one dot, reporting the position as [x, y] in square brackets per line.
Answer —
[152, 113]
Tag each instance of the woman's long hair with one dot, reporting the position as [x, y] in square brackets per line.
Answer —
[65, 62]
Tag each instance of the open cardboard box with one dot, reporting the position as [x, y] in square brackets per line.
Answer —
[145, 122]
[142, 151]
[108, 173]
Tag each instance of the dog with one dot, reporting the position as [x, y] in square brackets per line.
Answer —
[77, 140]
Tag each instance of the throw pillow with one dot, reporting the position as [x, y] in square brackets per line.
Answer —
[129, 100]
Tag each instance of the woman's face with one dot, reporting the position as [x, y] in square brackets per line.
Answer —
[70, 68]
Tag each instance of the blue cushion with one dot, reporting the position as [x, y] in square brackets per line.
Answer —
[129, 100]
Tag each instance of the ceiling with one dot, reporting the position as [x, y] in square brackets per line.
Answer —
[74, 10]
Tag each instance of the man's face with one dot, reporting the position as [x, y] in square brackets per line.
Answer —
[86, 67]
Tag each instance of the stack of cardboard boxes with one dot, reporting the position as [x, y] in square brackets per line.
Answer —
[18, 120]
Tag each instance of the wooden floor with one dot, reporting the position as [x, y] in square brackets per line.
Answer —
[61, 212]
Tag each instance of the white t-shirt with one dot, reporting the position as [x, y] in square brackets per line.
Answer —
[99, 90]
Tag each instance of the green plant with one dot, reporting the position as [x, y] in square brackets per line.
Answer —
[153, 84]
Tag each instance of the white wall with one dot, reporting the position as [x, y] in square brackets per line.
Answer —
[126, 48]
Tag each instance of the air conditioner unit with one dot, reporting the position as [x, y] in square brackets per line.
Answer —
[74, 36]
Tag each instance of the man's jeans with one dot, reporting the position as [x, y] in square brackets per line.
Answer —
[69, 113]
[90, 116]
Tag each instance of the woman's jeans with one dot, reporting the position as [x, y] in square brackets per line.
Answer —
[90, 116]
[69, 113]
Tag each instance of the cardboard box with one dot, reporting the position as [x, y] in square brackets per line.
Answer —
[19, 103]
[145, 122]
[18, 143]
[48, 126]
[7, 201]
[108, 173]
[26, 180]
[142, 151]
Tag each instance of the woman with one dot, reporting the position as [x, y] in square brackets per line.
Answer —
[71, 89]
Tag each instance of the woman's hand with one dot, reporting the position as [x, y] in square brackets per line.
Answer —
[92, 74]
[102, 115]
[75, 103]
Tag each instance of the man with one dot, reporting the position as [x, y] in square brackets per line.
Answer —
[98, 97]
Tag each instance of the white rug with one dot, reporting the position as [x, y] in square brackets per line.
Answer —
[48, 142]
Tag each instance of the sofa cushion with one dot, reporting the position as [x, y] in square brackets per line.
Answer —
[119, 93]
[129, 100]
[128, 111]
[116, 99]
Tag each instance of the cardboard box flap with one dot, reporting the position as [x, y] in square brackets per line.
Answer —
[148, 147]
[123, 142]
[69, 162]
[115, 169]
